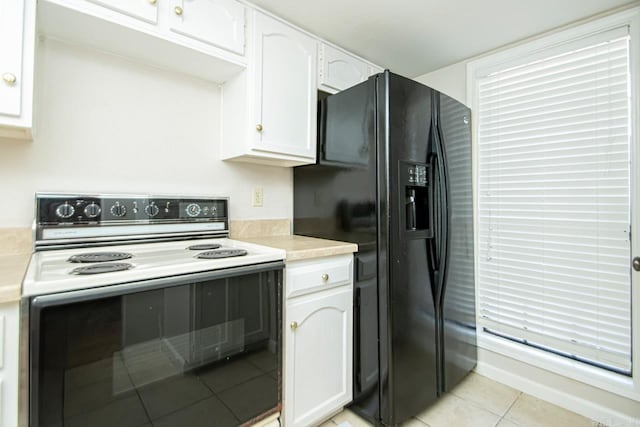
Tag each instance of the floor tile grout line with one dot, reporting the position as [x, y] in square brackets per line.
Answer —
[510, 406]
[420, 421]
[478, 405]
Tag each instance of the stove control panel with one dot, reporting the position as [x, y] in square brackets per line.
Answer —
[65, 210]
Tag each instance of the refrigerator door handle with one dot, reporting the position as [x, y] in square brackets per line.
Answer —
[443, 215]
[434, 209]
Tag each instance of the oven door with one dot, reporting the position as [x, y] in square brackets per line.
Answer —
[194, 350]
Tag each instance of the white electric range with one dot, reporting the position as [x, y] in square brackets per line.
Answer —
[127, 297]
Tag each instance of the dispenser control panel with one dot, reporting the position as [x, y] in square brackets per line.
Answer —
[416, 174]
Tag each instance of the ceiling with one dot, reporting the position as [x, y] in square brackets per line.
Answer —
[413, 37]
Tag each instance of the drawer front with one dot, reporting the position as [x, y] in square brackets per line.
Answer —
[316, 275]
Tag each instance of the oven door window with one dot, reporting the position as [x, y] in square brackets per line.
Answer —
[198, 354]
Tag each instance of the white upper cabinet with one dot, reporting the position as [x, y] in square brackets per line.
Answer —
[17, 31]
[338, 70]
[217, 22]
[203, 38]
[146, 10]
[373, 69]
[11, 15]
[269, 111]
[285, 61]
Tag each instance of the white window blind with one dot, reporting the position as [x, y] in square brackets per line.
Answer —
[554, 200]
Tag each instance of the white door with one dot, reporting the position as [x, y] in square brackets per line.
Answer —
[318, 365]
[285, 61]
[146, 10]
[216, 22]
[339, 71]
[11, 21]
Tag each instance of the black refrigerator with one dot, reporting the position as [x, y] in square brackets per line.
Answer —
[394, 176]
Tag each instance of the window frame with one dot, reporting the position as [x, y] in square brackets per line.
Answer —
[619, 384]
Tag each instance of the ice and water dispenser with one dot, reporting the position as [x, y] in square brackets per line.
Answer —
[414, 186]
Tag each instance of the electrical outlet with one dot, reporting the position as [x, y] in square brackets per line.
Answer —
[258, 197]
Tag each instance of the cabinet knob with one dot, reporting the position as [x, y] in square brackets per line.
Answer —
[259, 127]
[325, 277]
[178, 10]
[153, 1]
[294, 326]
[9, 78]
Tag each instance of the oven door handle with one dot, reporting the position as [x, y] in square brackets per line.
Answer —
[90, 294]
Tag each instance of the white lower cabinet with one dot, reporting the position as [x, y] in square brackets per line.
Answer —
[318, 343]
[9, 332]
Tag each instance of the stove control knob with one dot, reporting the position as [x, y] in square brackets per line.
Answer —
[65, 210]
[92, 210]
[151, 209]
[193, 209]
[118, 210]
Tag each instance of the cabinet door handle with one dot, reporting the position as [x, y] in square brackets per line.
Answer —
[178, 10]
[636, 263]
[259, 127]
[325, 277]
[294, 326]
[9, 78]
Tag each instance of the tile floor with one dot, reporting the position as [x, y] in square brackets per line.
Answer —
[481, 402]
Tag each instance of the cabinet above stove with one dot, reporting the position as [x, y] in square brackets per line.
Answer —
[204, 39]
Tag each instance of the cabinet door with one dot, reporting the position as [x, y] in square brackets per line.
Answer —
[318, 351]
[374, 70]
[9, 352]
[217, 22]
[145, 10]
[338, 70]
[285, 87]
[11, 22]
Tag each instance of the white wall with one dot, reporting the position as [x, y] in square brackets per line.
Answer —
[106, 124]
[451, 80]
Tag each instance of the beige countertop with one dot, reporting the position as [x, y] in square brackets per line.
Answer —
[302, 247]
[15, 252]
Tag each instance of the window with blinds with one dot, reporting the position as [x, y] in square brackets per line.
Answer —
[554, 200]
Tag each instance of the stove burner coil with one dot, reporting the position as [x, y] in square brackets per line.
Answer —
[223, 253]
[102, 268]
[204, 247]
[100, 257]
